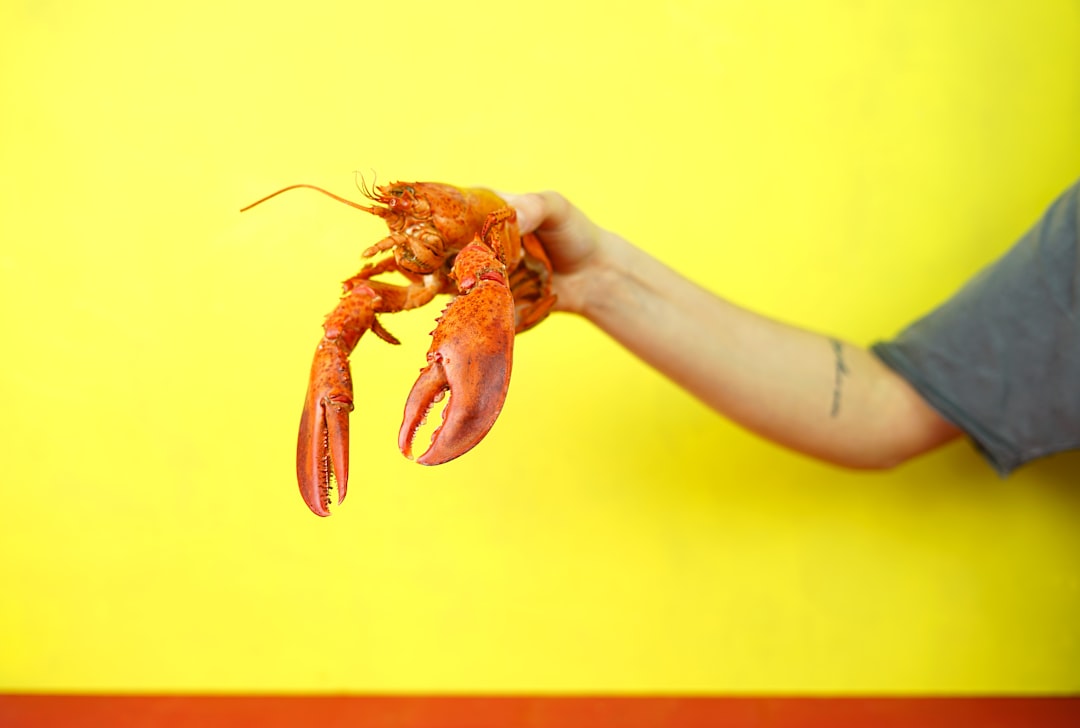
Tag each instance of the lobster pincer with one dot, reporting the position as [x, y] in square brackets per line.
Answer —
[470, 357]
[322, 447]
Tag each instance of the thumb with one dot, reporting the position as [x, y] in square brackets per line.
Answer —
[529, 207]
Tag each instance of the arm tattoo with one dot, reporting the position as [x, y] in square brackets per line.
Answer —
[841, 372]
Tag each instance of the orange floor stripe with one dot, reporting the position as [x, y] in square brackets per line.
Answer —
[91, 711]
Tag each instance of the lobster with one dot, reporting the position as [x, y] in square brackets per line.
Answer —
[445, 240]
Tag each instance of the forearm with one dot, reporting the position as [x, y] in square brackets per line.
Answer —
[803, 390]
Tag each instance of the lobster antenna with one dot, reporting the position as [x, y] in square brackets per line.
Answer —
[350, 203]
[362, 185]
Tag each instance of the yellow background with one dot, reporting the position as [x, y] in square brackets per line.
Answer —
[842, 165]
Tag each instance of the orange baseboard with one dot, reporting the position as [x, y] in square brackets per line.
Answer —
[241, 711]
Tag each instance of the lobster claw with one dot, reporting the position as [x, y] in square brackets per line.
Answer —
[322, 447]
[470, 356]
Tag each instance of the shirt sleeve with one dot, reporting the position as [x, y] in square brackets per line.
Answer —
[1001, 358]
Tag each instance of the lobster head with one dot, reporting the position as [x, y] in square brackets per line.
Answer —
[419, 246]
[398, 200]
[428, 221]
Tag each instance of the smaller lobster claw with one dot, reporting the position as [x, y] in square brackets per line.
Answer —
[322, 450]
[470, 356]
[322, 446]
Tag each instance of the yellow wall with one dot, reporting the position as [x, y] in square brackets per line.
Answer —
[842, 165]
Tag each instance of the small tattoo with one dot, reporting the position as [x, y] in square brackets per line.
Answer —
[841, 372]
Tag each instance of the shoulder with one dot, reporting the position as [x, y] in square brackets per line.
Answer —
[999, 358]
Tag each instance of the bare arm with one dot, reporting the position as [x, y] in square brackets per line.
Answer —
[809, 392]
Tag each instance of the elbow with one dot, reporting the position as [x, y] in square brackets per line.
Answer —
[902, 426]
[879, 460]
[897, 444]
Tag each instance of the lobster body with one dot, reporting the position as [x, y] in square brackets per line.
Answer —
[444, 240]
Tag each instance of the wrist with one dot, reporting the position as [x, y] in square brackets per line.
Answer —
[603, 282]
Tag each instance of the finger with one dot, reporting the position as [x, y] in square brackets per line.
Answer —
[531, 209]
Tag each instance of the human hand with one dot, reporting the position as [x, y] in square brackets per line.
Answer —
[574, 243]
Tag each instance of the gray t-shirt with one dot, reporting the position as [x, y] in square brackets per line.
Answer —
[1001, 358]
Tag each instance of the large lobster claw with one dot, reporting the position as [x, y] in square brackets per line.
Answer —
[470, 356]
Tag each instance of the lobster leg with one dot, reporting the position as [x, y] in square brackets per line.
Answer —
[470, 356]
[531, 286]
